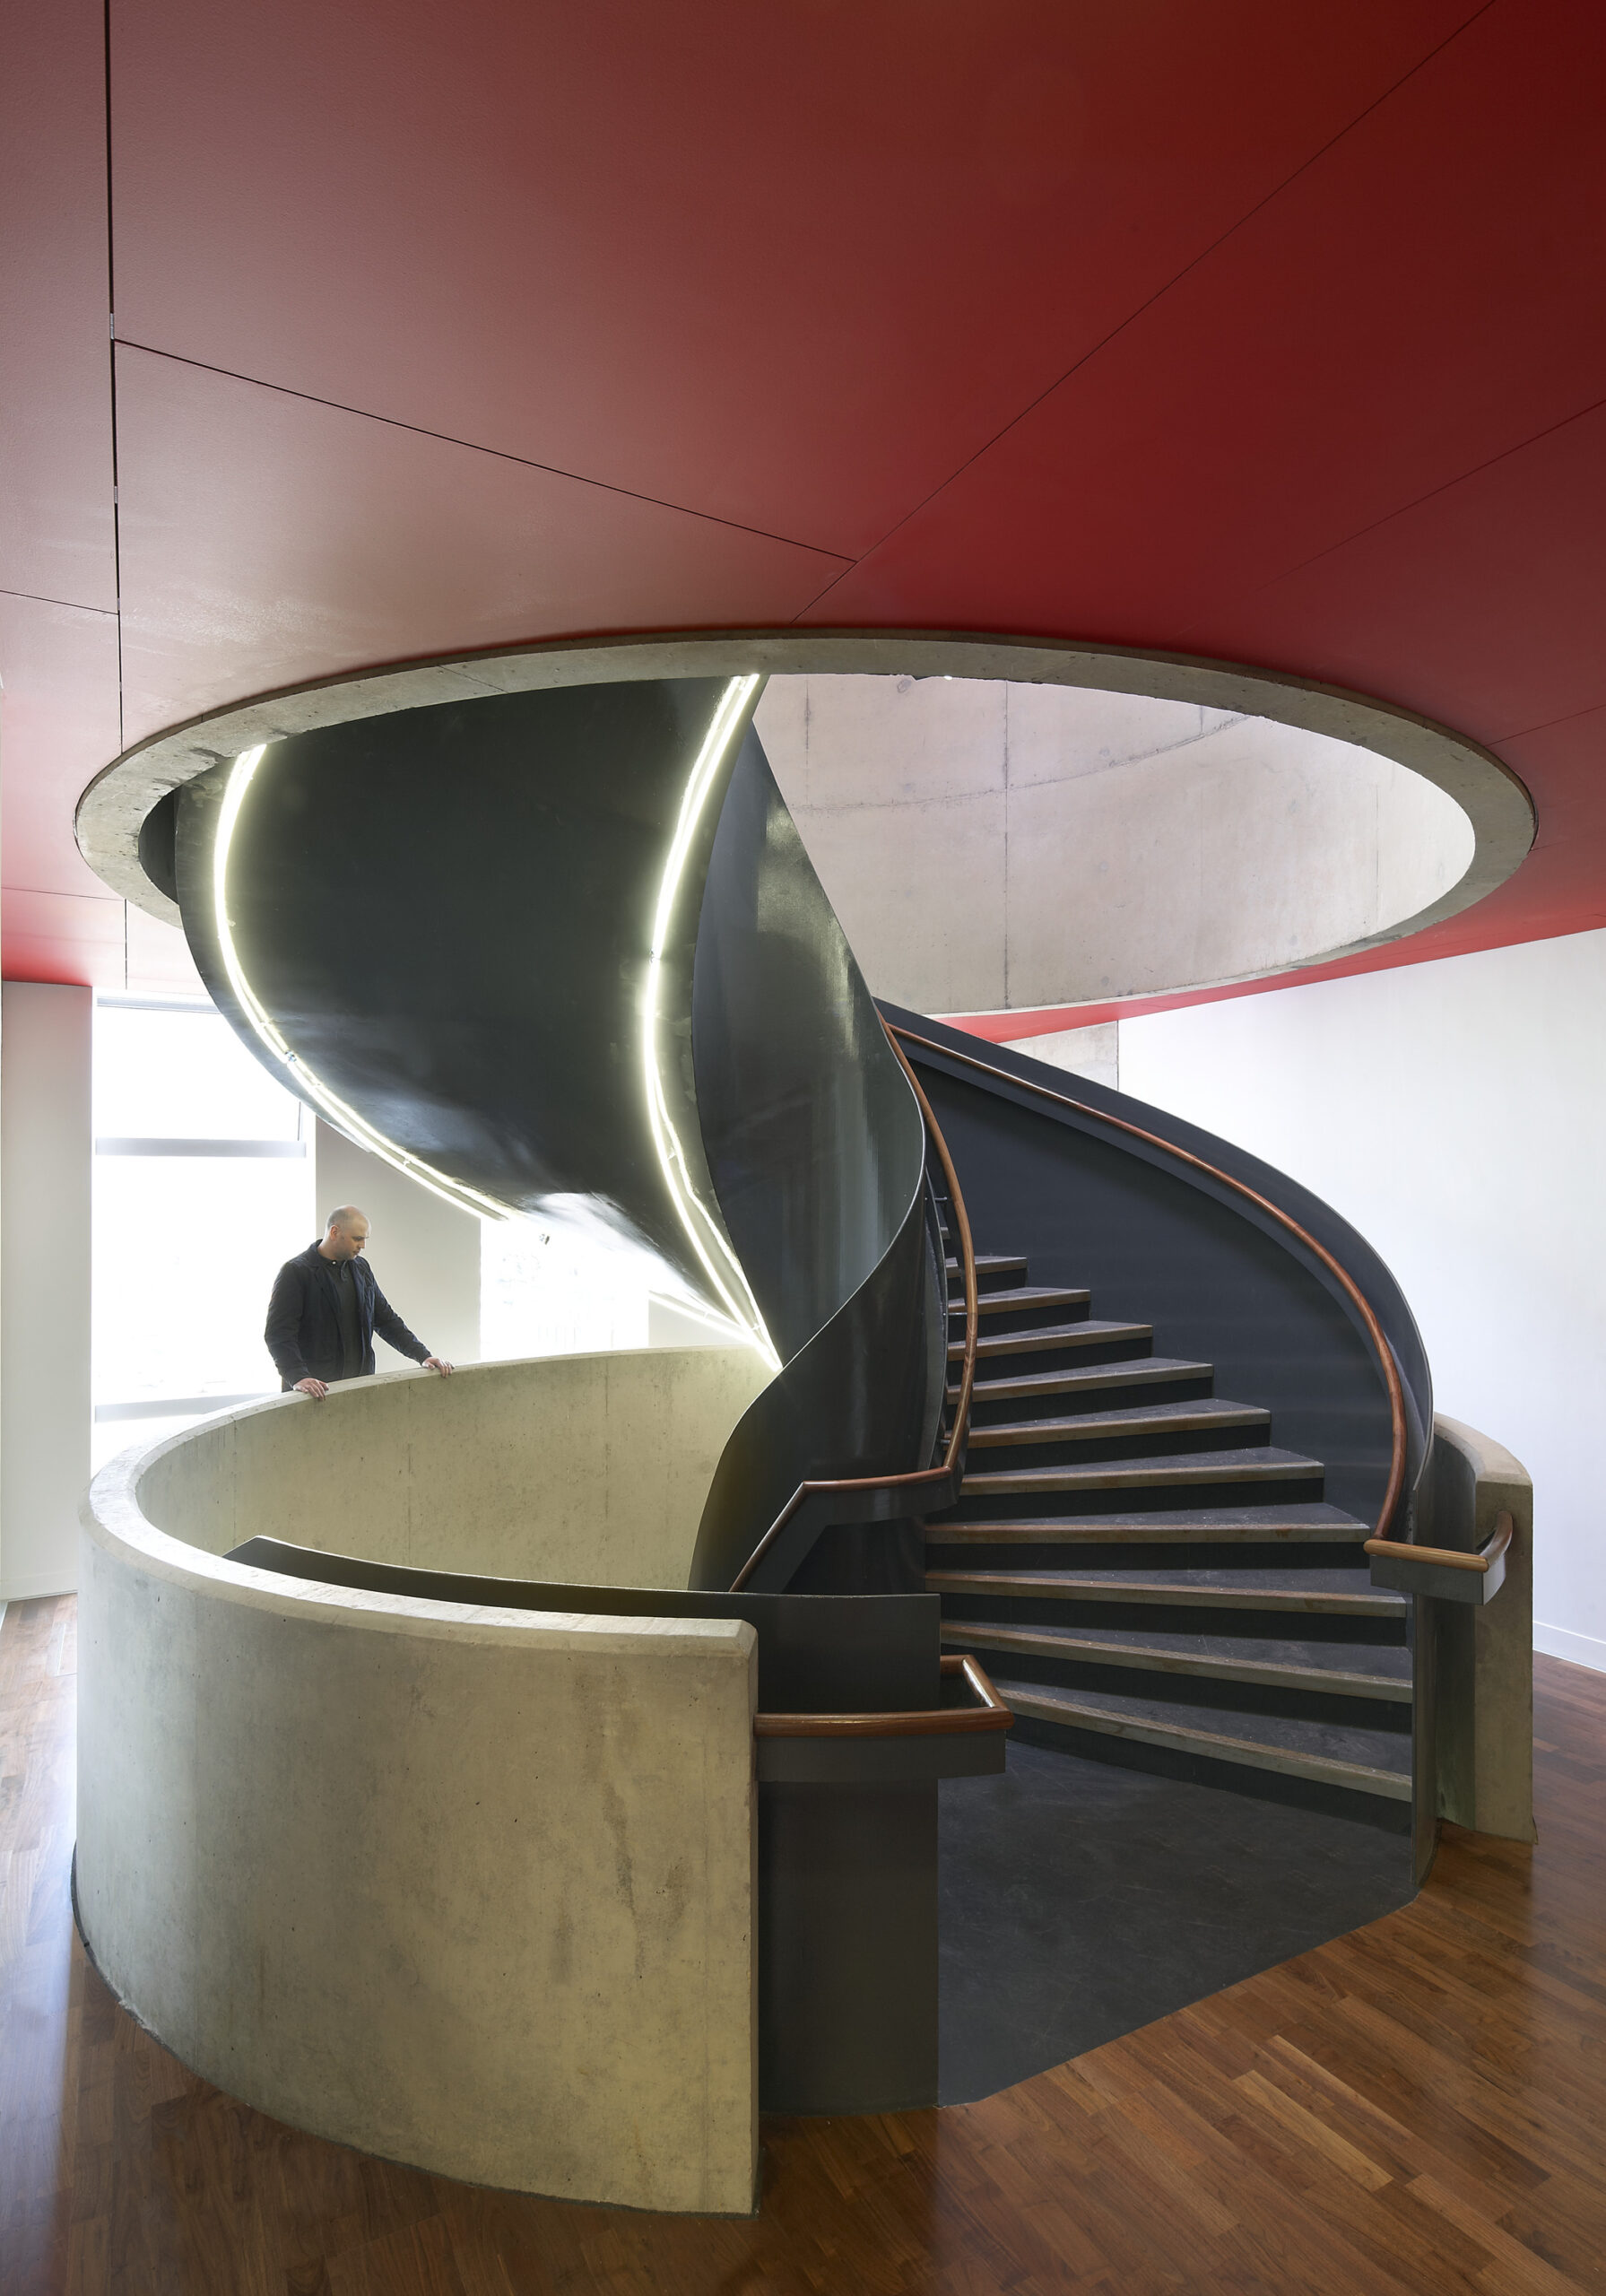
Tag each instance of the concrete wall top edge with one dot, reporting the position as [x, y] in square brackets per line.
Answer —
[113, 1517]
[115, 803]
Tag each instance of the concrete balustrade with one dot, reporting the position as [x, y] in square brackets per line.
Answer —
[470, 1888]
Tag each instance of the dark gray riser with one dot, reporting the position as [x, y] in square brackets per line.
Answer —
[1087, 1388]
[994, 1271]
[1282, 1593]
[1190, 1623]
[1021, 1604]
[1347, 1666]
[1375, 1764]
[1259, 1694]
[1052, 1346]
[1149, 1430]
[1115, 1555]
[1025, 1309]
[1313, 1525]
[1227, 1478]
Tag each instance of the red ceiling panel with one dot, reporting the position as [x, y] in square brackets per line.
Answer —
[789, 266]
[56, 511]
[1484, 605]
[1329, 282]
[1424, 298]
[64, 938]
[58, 726]
[266, 539]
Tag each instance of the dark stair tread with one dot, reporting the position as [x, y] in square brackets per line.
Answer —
[1141, 1370]
[1313, 1522]
[1368, 1762]
[1344, 1594]
[992, 1263]
[1025, 1295]
[1263, 1465]
[1326, 1667]
[1047, 1335]
[1135, 1419]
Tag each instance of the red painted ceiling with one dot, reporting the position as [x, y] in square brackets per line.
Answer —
[1224, 328]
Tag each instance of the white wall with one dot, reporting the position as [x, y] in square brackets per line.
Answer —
[1456, 1112]
[46, 1171]
[425, 1254]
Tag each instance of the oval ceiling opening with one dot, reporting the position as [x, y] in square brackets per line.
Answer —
[992, 845]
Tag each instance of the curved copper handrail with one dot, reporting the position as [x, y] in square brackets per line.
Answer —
[989, 1713]
[1363, 1306]
[918, 1479]
[1450, 1558]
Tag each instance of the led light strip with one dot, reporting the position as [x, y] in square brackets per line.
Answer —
[309, 1086]
[709, 1241]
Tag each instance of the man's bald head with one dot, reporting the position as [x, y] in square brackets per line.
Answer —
[345, 1232]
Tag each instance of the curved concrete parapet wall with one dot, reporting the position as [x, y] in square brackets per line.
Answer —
[467, 1888]
[592, 1468]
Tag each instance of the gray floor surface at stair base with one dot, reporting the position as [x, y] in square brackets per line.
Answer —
[1080, 1899]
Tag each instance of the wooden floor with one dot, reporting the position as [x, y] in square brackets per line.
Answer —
[1421, 2106]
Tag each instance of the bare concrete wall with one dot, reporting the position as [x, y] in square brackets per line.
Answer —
[592, 1468]
[992, 846]
[472, 1889]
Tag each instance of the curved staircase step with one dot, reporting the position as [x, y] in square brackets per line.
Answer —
[1139, 1372]
[992, 1267]
[1316, 1592]
[1138, 1419]
[1262, 1465]
[1024, 1299]
[1315, 1522]
[1318, 1667]
[1375, 1762]
[1040, 1337]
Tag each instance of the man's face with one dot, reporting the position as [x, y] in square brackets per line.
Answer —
[345, 1243]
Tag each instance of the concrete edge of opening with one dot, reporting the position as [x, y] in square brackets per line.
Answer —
[113, 807]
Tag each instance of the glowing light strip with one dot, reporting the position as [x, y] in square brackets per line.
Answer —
[708, 1241]
[311, 1087]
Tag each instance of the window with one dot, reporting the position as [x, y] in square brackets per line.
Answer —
[204, 1186]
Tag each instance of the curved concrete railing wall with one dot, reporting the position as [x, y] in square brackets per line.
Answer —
[468, 1888]
[592, 1468]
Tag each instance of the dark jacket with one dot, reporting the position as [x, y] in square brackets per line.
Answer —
[303, 1319]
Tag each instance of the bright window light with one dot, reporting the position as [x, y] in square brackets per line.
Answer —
[186, 1245]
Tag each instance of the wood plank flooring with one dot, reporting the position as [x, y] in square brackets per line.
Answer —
[1421, 2106]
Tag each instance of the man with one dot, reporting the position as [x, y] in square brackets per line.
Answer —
[326, 1310]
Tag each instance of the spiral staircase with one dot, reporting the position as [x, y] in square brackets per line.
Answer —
[1091, 1403]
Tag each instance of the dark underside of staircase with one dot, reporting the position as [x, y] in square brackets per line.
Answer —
[1211, 1766]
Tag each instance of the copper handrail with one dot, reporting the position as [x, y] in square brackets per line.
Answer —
[990, 1713]
[1450, 1558]
[1374, 1329]
[916, 1479]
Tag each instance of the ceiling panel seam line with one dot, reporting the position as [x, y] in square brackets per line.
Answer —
[1521, 733]
[1404, 510]
[1176, 279]
[499, 453]
[111, 382]
[841, 575]
[68, 606]
[51, 892]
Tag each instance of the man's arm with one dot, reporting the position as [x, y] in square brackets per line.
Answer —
[283, 1330]
[390, 1326]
